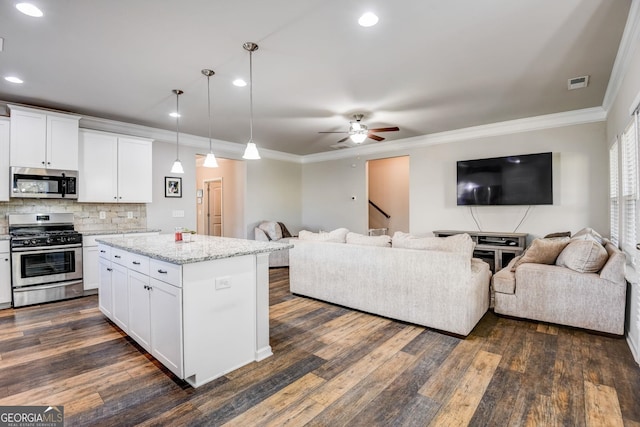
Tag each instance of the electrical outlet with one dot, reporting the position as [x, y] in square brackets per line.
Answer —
[223, 282]
[103, 215]
[178, 214]
[129, 215]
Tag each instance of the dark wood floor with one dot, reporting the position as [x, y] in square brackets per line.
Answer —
[331, 367]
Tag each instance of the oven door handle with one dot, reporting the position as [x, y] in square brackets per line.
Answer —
[48, 286]
[47, 248]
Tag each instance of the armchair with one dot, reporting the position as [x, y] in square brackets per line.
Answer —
[274, 231]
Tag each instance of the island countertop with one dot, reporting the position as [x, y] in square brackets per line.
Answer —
[201, 248]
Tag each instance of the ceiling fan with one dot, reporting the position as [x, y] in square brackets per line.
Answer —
[358, 131]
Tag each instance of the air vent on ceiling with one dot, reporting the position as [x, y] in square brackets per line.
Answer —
[578, 82]
[339, 146]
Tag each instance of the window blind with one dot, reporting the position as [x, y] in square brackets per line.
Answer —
[614, 209]
[629, 184]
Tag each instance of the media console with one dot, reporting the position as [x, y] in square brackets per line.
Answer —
[495, 248]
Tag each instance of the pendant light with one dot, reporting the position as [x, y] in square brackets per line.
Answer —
[177, 165]
[210, 161]
[251, 152]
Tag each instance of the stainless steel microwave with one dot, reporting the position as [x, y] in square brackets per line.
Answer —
[44, 183]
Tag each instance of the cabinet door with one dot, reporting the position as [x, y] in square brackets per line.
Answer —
[5, 278]
[166, 325]
[105, 291]
[139, 309]
[98, 167]
[28, 139]
[62, 143]
[4, 160]
[134, 170]
[119, 282]
[90, 268]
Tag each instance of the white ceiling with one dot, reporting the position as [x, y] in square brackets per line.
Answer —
[428, 66]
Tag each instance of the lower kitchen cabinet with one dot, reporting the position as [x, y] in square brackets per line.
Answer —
[120, 289]
[165, 304]
[139, 309]
[105, 292]
[5, 275]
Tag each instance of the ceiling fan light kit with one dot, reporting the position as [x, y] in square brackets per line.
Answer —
[177, 165]
[251, 152]
[358, 132]
[210, 161]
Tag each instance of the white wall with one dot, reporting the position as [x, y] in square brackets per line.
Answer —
[580, 185]
[274, 190]
[618, 115]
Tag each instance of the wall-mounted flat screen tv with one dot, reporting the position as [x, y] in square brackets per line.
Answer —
[513, 180]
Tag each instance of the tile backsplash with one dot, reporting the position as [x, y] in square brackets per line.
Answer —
[86, 215]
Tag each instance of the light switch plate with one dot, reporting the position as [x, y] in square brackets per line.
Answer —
[178, 214]
[103, 215]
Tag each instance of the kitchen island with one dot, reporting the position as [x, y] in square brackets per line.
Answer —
[201, 307]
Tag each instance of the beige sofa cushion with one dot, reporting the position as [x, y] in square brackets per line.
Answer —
[613, 269]
[588, 234]
[504, 281]
[458, 243]
[583, 256]
[542, 251]
[361, 239]
[338, 235]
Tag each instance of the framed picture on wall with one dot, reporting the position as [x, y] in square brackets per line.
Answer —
[172, 187]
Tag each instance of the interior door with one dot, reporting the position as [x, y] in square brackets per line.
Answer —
[213, 213]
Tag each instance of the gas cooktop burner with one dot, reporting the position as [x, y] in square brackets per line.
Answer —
[42, 230]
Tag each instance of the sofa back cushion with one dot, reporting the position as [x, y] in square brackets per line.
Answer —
[458, 243]
[338, 235]
[542, 251]
[613, 269]
[361, 239]
[588, 234]
[583, 256]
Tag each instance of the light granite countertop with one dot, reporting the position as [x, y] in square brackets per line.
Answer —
[5, 237]
[107, 232]
[201, 248]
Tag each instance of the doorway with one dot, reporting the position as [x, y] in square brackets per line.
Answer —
[388, 195]
[212, 200]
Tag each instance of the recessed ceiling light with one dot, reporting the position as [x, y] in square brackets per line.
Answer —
[369, 19]
[14, 79]
[29, 9]
[174, 114]
[239, 83]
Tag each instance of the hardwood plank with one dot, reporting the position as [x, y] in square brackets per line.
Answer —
[601, 406]
[460, 408]
[349, 339]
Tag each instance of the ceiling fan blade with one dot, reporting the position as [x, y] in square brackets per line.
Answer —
[375, 137]
[344, 131]
[342, 140]
[391, 129]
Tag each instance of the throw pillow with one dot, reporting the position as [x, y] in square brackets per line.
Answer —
[542, 251]
[588, 234]
[361, 239]
[336, 236]
[560, 234]
[461, 243]
[583, 256]
[272, 229]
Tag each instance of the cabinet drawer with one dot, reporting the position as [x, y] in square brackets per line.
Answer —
[119, 256]
[104, 251]
[166, 272]
[139, 263]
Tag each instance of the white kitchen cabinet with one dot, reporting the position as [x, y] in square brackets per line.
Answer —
[105, 292]
[114, 168]
[120, 289]
[4, 159]
[5, 275]
[139, 309]
[43, 139]
[166, 325]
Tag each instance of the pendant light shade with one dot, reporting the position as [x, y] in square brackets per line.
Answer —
[251, 152]
[177, 165]
[210, 161]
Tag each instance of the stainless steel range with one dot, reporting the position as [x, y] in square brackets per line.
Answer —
[46, 258]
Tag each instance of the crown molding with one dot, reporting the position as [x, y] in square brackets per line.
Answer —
[221, 148]
[628, 43]
[576, 117]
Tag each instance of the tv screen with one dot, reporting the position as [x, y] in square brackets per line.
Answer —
[511, 180]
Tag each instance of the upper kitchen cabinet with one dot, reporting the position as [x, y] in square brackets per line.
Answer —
[4, 159]
[43, 139]
[114, 168]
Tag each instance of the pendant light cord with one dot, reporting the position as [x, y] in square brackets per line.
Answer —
[209, 111]
[177, 126]
[251, 96]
